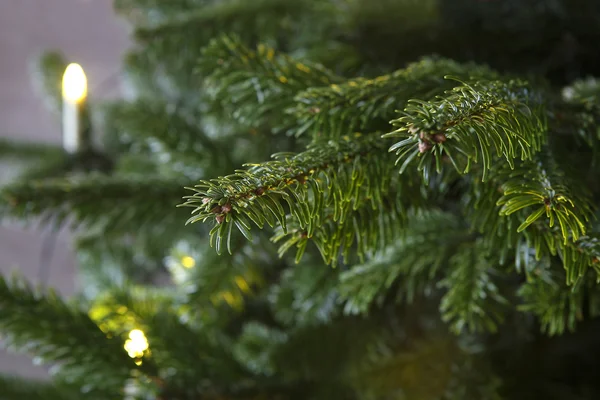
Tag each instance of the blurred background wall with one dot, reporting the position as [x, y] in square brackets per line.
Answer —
[87, 32]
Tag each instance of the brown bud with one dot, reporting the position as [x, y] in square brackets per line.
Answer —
[260, 191]
[220, 218]
[226, 208]
[216, 210]
[439, 138]
[206, 200]
[424, 146]
[413, 129]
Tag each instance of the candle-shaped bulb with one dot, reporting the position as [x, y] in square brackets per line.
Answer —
[74, 83]
[74, 92]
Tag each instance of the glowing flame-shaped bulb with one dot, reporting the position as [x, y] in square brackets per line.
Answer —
[74, 83]
[188, 262]
[137, 344]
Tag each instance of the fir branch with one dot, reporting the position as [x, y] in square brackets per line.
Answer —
[467, 124]
[408, 266]
[161, 127]
[341, 176]
[533, 202]
[473, 301]
[577, 118]
[17, 388]
[540, 183]
[209, 280]
[178, 354]
[366, 230]
[578, 256]
[258, 85]
[368, 104]
[306, 295]
[110, 203]
[28, 151]
[44, 326]
[144, 12]
[254, 20]
[547, 296]
[480, 205]
[60, 164]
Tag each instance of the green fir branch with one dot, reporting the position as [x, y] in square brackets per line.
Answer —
[258, 86]
[306, 294]
[178, 353]
[369, 228]
[159, 127]
[339, 176]
[546, 295]
[44, 326]
[368, 104]
[468, 124]
[112, 204]
[533, 202]
[473, 301]
[18, 388]
[366, 230]
[408, 267]
[163, 42]
[209, 280]
[541, 184]
[28, 150]
[145, 12]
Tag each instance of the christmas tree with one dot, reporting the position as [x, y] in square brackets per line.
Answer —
[325, 199]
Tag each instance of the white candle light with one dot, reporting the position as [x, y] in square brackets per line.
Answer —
[74, 92]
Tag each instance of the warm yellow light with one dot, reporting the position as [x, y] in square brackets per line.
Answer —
[137, 344]
[242, 284]
[188, 262]
[74, 83]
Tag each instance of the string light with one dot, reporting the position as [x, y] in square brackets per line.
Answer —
[188, 262]
[137, 344]
[74, 83]
[74, 93]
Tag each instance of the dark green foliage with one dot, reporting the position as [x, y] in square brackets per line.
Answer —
[194, 29]
[369, 104]
[433, 166]
[64, 335]
[329, 180]
[28, 151]
[96, 200]
[469, 123]
[409, 266]
[557, 306]
[306, 294]
[473, 299]
[271, 78]
[19, 388]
